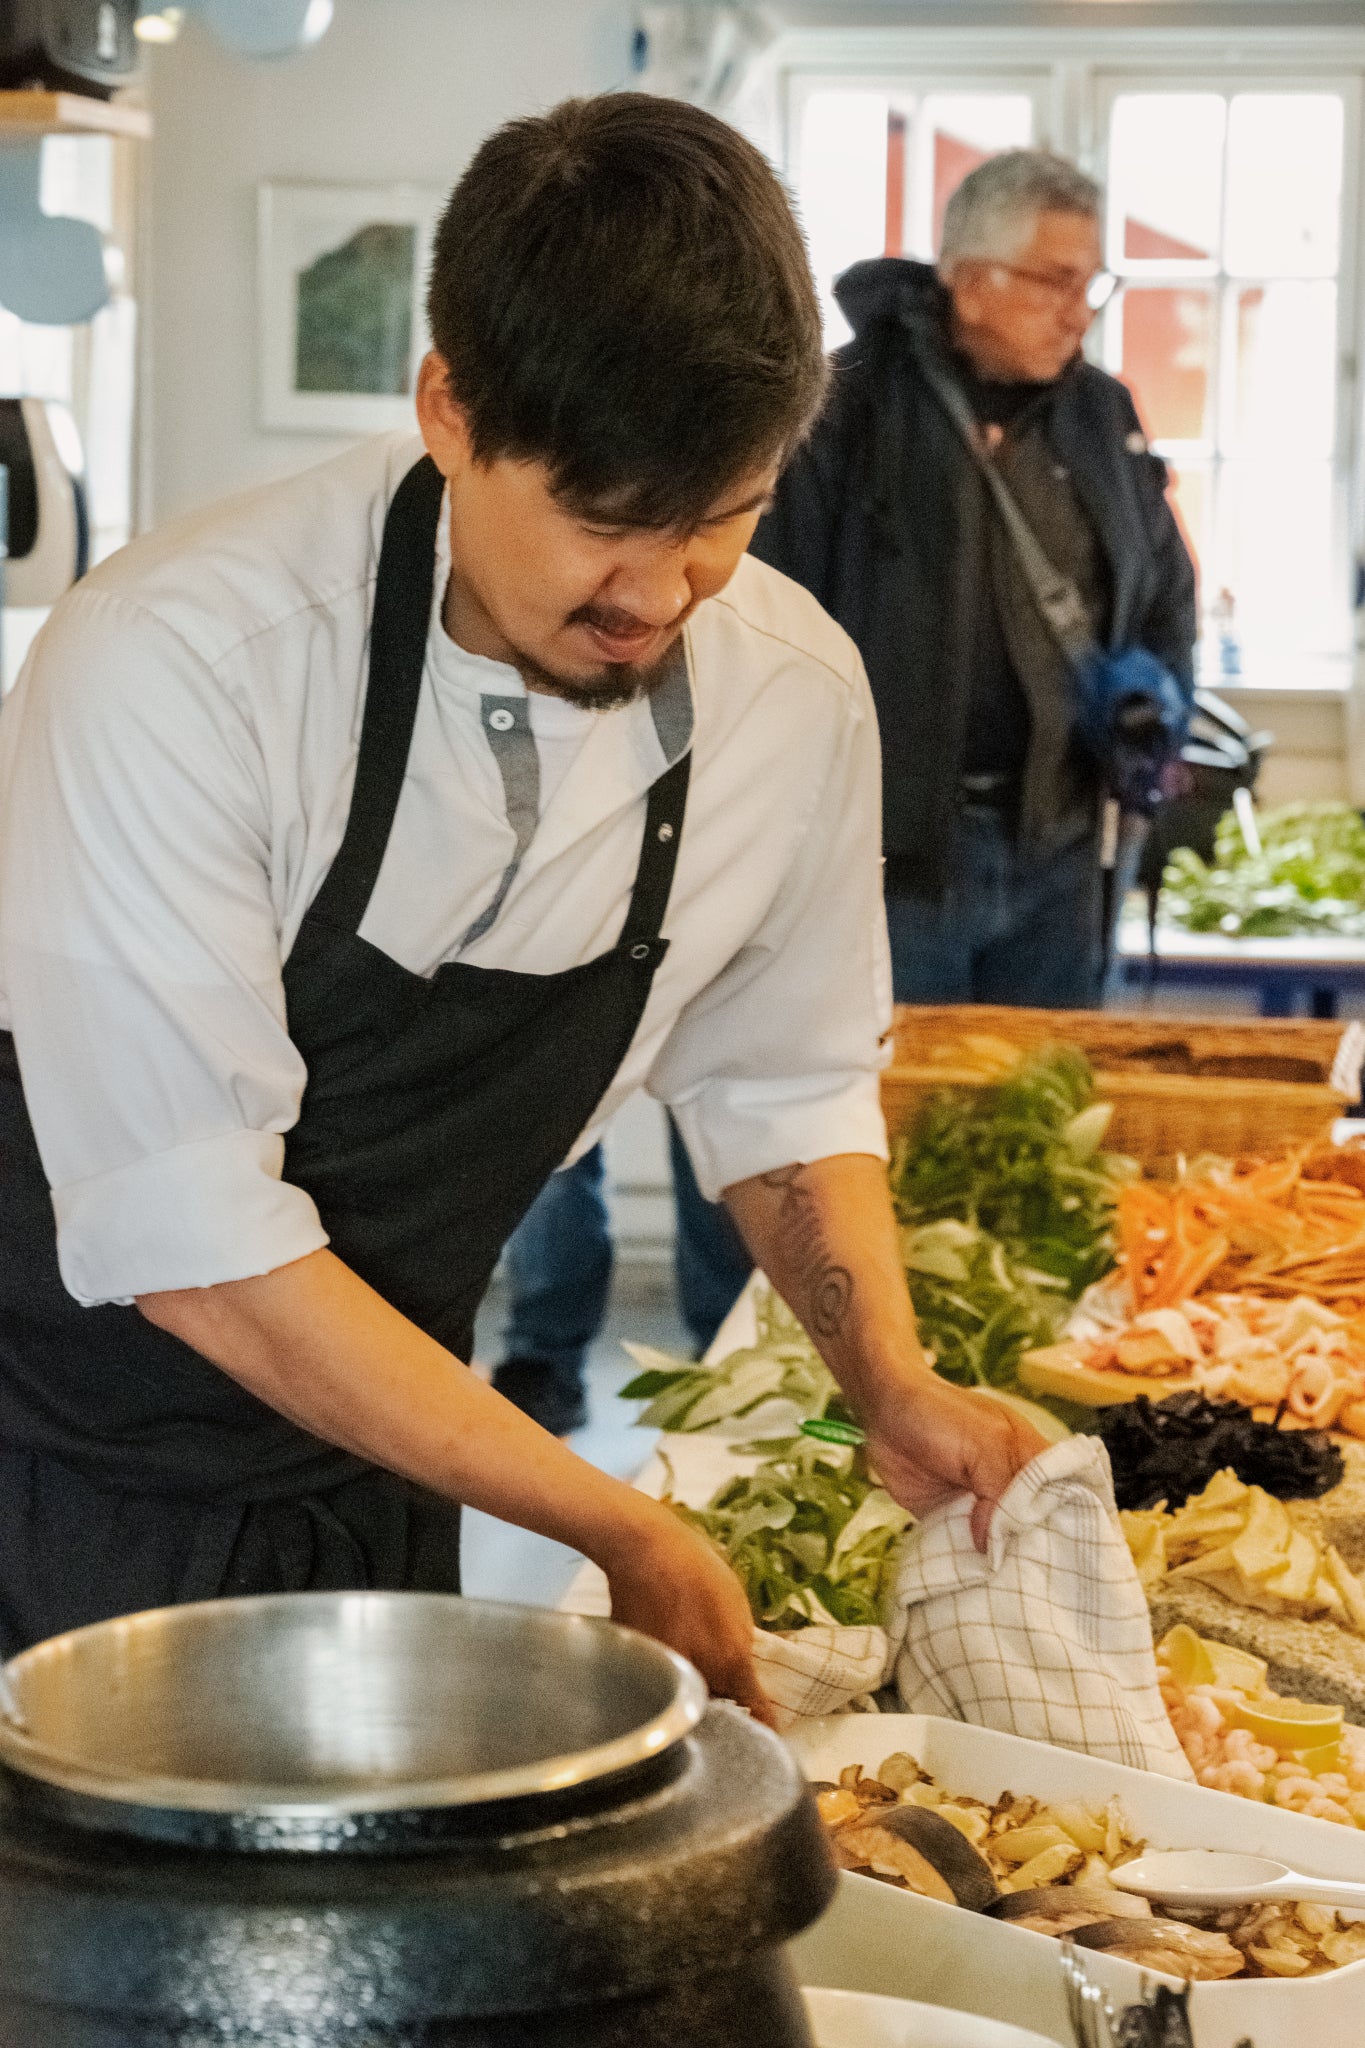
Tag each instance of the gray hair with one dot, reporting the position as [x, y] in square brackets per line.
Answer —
[993, 210]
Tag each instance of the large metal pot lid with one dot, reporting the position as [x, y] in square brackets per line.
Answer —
[316, 1706]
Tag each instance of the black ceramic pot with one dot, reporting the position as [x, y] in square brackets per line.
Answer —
[641, 1907]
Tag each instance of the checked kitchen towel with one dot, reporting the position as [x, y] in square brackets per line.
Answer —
[820, 1670]
[1047, 1635]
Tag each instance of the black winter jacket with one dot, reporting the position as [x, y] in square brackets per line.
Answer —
[879, 517]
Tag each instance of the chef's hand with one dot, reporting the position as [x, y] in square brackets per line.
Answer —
[669, 1583]
[930, 1441]
[826, 1236]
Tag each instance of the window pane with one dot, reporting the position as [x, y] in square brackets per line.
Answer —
[1167, 358]
[1285, 372]
[958, 131]
[841, 188]
[1284, 183]
[1276, 554]
[76, 177]
[1166, 176]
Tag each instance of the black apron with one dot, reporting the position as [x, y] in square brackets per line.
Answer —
[135, 1473]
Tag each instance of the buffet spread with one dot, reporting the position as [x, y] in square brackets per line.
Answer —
[1202, 1311]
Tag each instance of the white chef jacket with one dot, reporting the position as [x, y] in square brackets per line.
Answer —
[176, 767]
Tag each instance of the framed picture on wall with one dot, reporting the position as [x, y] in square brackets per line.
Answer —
[342, 326]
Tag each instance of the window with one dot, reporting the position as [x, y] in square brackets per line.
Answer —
[91, 368]
[875, 168]
[1225, 226]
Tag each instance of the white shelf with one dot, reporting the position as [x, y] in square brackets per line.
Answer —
[32, 112]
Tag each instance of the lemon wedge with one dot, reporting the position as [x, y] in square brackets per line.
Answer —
[1187, 1656]
[1325, 1756]
[1290, 1724]
[1236, 1669]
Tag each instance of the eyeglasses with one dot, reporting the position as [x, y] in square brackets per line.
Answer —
[1096, 291]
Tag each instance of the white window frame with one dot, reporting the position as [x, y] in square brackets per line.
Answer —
[1085, 67]
[1034, 82]
[1109, 85]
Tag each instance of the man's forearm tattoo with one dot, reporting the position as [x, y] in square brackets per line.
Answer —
[828, 1285]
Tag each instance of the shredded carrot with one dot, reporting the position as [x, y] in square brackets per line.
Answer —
[1247, 1225]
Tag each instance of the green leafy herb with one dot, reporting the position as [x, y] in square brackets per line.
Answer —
[781, 1362]
[1006, 1204]
[980, 1326]
[1308, 877]
[1021, 1162]
[810, 1535]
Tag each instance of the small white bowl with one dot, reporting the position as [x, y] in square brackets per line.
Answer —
[854, 2019]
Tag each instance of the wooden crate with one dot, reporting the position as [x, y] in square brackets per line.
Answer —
[1157, 1114]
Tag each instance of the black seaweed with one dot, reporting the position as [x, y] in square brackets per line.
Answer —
[1168, 1450]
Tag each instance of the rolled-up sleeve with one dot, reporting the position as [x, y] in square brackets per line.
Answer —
[140, 960]
[778, 1060]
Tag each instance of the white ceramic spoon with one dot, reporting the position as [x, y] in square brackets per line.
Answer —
[1214, 1877]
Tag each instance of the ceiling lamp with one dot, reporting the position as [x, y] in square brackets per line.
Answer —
[158, 24]
[267, 28]
[252, 28]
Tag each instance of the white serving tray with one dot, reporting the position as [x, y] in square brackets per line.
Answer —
[877, 1938]
[850, 2019]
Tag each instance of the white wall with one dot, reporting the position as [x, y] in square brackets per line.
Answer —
[398, 90]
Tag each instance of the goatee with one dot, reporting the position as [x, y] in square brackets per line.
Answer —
[615, 684]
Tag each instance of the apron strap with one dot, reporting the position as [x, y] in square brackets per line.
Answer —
[658, 859]
[398, 644]
[398, 648]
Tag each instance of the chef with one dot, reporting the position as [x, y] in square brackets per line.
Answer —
[364, 842]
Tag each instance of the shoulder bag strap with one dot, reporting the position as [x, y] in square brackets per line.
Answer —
[1056, 596]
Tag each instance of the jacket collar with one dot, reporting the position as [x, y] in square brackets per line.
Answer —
[625, 753]
[901, 296]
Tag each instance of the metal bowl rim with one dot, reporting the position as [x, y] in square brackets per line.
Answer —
[262, 1801]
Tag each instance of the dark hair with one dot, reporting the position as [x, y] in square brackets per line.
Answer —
[619, 290]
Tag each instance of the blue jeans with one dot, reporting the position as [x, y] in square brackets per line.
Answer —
[559, 1264]
[710, 1259]
[1011, 927]
[560, 1259]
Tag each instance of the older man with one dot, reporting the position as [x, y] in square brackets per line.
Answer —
[992, 802]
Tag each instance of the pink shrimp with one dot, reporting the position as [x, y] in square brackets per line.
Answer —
[1353, 1756]
[1224, 1697]
[1200, 1753]
[1327, 1809]
[1198, 1745]
[1241, 1746]
[1333, 1785]
[1301, 1795]
[1204, 1714]
[1238, 1776]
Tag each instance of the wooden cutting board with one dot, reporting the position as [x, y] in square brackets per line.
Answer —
[1057, 1369]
